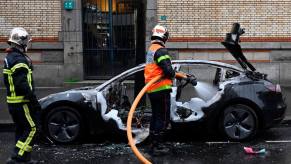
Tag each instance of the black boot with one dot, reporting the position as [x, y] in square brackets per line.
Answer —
[33, 162]
[25, 159]
[15, 161]
[157, 145]
[160, 150]
[10, 161]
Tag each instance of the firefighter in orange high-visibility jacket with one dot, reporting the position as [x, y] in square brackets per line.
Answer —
[158, 62]
[22, 102]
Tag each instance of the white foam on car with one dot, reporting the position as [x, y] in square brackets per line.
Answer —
[196, 104]
[205, 90]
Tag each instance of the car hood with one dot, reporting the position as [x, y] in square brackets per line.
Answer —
[75, 95]
[231, 43]
[236, 51]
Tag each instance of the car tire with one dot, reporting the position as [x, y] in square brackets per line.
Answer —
[63, 124]
[239, 122]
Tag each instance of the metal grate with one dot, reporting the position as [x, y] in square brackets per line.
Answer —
[109, 28]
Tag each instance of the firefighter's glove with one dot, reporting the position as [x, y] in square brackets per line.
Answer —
[35, 104]
[191, 79]
[37, 107]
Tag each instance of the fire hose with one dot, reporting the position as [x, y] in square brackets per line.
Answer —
[130, 115]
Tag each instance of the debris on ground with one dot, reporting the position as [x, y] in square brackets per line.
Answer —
[250, 150]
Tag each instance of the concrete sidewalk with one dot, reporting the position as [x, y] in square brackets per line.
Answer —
[42, 92]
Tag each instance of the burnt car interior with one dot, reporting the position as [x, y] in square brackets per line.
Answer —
[189, 100]
[186, 92]
[119, 94]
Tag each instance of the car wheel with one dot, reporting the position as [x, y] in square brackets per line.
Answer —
[63, 124]
[239, 122]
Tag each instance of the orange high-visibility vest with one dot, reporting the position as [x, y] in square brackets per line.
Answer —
[152, 70]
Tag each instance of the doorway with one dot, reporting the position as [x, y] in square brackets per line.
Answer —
[109, 37]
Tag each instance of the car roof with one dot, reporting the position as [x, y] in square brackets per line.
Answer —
[181, 62]
[212, 63]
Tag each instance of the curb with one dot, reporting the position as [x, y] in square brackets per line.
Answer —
[286, 121]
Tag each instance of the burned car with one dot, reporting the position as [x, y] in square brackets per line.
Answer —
[237, 102]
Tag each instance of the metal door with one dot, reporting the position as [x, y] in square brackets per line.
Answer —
[109, 36]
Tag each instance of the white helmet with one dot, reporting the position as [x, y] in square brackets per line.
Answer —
[160, 32]
[20, 37]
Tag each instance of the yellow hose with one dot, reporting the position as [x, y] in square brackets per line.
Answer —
[130, 115]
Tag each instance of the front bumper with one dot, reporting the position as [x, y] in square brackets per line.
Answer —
[276, 115]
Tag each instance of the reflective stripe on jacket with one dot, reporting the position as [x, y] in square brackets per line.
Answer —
[152, 70]
[18, 77]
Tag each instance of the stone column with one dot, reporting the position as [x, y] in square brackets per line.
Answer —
[73, 42]
[151, 19]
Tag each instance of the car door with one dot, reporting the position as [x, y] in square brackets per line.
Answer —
[187, 101]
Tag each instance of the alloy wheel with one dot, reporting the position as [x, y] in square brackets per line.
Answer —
[63, 126]
[239, 122]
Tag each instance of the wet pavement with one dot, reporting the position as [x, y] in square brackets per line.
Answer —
[197, 150]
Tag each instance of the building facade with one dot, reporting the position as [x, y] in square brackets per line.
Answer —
[43, 19]
[96, 39]
[197, 28]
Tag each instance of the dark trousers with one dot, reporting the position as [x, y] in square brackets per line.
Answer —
[25, 121]
[160, 103]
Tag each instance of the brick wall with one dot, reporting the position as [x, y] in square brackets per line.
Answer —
[268, 19]
[42, 18]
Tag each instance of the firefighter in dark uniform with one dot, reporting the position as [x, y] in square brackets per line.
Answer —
[22, 102]
[158, 62]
